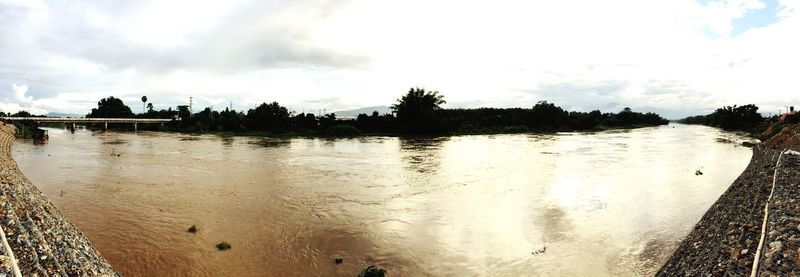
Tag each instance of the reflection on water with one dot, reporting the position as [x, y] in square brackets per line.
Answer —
[601, 204]
[263, 142]
[421, 154]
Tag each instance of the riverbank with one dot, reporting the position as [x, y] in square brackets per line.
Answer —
[42, 240]
[733, 235]
[315, 134]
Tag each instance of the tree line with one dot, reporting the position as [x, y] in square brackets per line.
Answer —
[416, 112]
[731, 118]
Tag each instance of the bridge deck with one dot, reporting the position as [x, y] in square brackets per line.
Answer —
[88, 120]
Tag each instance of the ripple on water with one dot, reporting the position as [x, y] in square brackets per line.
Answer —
[615, 203]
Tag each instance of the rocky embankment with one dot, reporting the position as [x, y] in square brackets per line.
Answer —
[42, 240]
[733, 235]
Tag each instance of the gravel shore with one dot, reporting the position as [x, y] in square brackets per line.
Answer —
[782, 241]
[43, 241]
[726, 240]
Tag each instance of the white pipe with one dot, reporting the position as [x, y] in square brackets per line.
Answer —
[754, 271]
[14, 265]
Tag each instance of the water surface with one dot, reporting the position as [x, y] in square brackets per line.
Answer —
[612, 203]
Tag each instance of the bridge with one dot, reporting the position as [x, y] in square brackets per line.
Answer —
[84, 120]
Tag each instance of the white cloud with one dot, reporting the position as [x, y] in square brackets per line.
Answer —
[662, 55]
[19, 95]
[19, 101]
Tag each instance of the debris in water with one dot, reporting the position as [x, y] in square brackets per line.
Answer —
[192, 229]
[373, 271]
[724, 140]
[222, 246]
[338, 260]
[540, 251]
[698, 172]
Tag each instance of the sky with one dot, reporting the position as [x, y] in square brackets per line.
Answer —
[673, 57]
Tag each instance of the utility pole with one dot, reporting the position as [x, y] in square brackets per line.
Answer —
[190, 104]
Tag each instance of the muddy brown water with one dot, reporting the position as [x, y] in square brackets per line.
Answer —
[611, 203]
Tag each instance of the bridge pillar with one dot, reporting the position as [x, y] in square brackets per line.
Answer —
[105, 126]
[135, 127]
[72, 128]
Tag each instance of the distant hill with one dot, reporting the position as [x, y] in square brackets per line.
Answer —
[365, 110]
[63, 115]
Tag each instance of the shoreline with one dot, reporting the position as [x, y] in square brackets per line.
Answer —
[753, 229]
[731, 225]
[43, 241]
[311, 134]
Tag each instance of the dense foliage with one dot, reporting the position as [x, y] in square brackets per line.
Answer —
[742, 118]
[25, 129]
[543, 116]
[417, 112]
[111, 107]
[270, 116]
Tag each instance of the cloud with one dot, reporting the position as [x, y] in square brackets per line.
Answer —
[19, 95]
[18, 100]
[577, 94]
[681, 55]
[241, 38]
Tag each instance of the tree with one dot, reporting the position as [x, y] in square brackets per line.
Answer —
[415, 110]
[625, 116]
[22, 113]
[547, 115]
[150, 107]
[144, 100]
[729, 118]
[270, 116]
[183, 112]
[231, 119]
[306, 121]
[111, 107]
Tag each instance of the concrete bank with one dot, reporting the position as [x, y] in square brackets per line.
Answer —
[42, 240]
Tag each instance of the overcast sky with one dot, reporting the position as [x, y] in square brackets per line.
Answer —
[674, 57]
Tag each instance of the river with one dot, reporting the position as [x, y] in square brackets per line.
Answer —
[612, 203]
